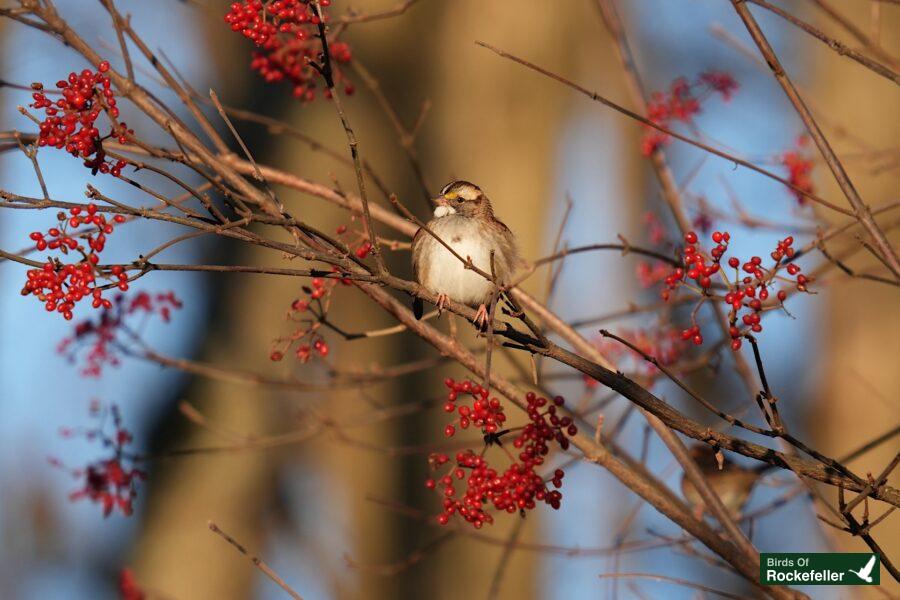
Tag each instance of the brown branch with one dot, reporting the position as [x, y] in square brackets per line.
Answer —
[861, 210]
[20, 259]
[256, 172]
[832, 43]
[623, 248]
[856, 32]
[257, 562]
[31, 153]
[730, 419]
[873, 485]
[852, 272]
[120, 34]
[570, 551]
[676, 420]
[870, 445]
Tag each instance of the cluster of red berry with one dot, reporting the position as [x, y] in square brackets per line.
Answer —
[681, 103]
[545, 425]
[61, 286]
[282, 28]
[482, 412]
[71, 121]
[518, 487]
[251, 18]
[111, 482]
[695, 263]
[745, 293]
[309, 341]
[799, 166]
[307, 337]
[101, 335]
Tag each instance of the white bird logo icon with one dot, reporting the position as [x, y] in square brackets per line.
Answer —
[866, 572]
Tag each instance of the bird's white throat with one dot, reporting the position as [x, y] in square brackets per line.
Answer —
[443, 211]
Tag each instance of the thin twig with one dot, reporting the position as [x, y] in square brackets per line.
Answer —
[406, 136]
[505, 556]
[126, 56]
[258, 562]
[325, 69]
[832, 43]
[675, 580]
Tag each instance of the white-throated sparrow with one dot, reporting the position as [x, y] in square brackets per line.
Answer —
[465, 221]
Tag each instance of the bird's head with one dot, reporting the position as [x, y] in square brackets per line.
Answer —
[461, 198]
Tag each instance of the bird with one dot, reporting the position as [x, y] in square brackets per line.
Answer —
[465, 221]
[866, 572]
[731, 482]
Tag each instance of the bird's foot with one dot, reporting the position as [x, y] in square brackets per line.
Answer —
[442, 301]
[481, 318]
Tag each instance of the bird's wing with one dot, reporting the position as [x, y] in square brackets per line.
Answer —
[416, 247]
[510, 247]
[416, 253]
[866, 570]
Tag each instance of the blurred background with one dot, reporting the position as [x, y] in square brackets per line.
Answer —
[344, 514]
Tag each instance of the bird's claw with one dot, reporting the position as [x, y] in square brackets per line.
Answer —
[481, 317]
[442, 301]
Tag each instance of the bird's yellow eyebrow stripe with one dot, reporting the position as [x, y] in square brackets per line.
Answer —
[451, 195]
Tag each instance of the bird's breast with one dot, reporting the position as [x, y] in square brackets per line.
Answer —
[446, 274]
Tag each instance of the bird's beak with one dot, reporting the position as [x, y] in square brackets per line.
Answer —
[440, 201]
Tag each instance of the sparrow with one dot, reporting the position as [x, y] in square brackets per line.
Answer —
[465, 221]
[732, 482]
